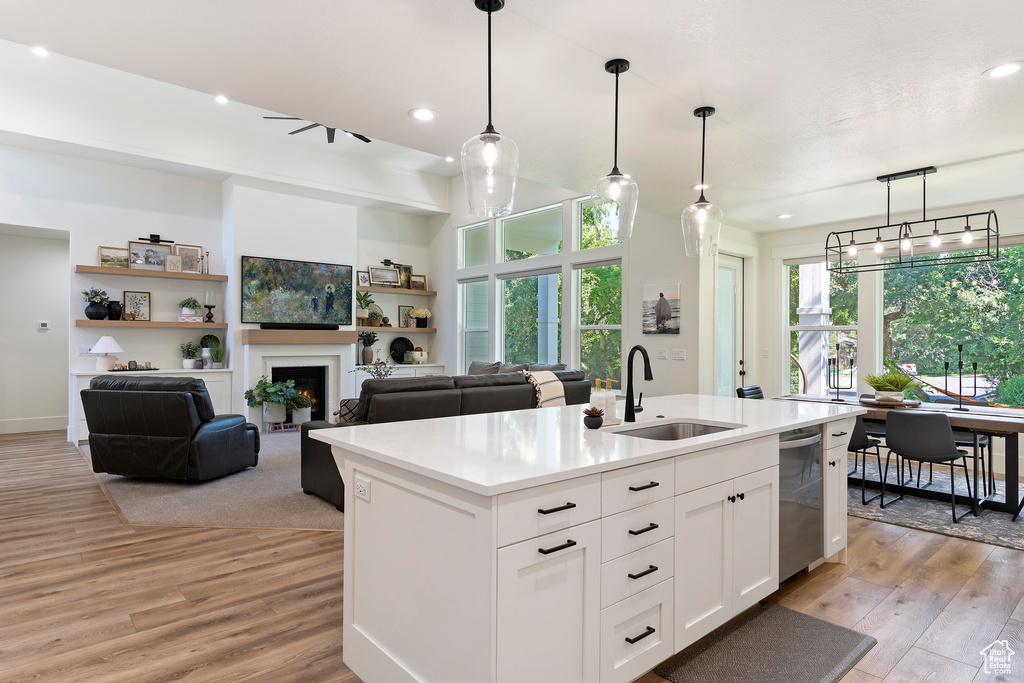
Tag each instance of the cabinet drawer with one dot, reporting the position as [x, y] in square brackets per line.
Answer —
[638, 528]
[634, 486]
[837, 433]
[649, 566]
[545, 509]
[705, 468]
[645, 619]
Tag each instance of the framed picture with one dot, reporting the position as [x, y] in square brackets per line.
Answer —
[404, 274]
[114, 257]
[418, 282]
[172, 264]
[403, 316]
[295, 293]
[363, 278]
[661, 309]
[147, 255]
[137, 303]
[384, 276]
[190, 257]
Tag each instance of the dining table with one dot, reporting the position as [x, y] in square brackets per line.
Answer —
[980, 420]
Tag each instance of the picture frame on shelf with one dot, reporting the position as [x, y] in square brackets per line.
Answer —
[113, 257]
[418, 282]
[363, 278]
[403, 316]
[147, 255]
[404, 275]
[137, 304]
[384, 276]
[172, 264]
[191, 257]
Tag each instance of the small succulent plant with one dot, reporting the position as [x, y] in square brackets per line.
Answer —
[593, 412]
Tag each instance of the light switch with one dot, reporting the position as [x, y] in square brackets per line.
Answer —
[678, 354]
[43, 325]
[663, 354]
[764, 353]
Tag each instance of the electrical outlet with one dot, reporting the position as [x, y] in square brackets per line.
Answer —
[663, 354]
[83, 350]
[362, 488]
[678, 354]
[764, 353]
[43, 325]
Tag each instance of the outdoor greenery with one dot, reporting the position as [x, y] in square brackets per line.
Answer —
[266, 391]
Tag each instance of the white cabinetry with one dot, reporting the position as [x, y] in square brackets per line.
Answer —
[834, 472]
[417, 370]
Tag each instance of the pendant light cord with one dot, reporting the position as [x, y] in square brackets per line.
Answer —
[703, 138]
[615, 155]
[490, 123]
[924, 196]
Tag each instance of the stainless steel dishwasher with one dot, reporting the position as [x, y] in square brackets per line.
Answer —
[801, 524]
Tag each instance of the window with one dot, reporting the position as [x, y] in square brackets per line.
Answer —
[600, 322]
[589, 236]
[533, 234]
[474, 246]
[475, 337]
[822, 326]
[532, 306]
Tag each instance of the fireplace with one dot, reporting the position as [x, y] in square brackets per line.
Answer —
[310, 380]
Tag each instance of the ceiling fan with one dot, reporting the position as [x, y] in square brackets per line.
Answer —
[330, 131]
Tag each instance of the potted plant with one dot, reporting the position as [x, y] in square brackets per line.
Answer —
[216, 356]
[205, 343]
[189, 305]
[273, 396]
[373, 318]
[363, 302]
[189, 351]
[97, 303]
[301, 407]
[593, 417]
[368, 339]
[421, 315]
[891, 387]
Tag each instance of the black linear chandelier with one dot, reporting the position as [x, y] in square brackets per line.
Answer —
[952, 239]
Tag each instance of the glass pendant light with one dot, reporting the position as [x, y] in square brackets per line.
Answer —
[702, 220]
[489, 161]
[615, 196]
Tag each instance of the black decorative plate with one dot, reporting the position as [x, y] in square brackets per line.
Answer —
[399, 347]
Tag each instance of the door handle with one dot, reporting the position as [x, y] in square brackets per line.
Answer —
[831, 463]
[732, 499]
[740, 496]
[639, 575]
[840, 434]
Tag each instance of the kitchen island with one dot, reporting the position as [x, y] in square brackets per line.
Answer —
[520, 546]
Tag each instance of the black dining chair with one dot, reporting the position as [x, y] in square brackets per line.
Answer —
[753, 391]
[922, 437]
[860, 444]
[964, 438]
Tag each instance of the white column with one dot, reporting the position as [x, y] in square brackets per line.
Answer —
[813, 308]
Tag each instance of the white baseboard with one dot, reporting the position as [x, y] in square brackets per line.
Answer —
[33, 424]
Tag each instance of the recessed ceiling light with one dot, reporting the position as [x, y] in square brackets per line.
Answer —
[699, 187]
[422, 114]
[449, 159]
[220, 99]
[40, 51]
[785, 215]
[1003, 70]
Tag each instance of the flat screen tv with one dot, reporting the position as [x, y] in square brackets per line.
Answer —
[297, 293]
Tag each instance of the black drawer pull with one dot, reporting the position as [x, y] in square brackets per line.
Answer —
[840, 434]
[740, 496]
[547, 551]
[644, 487]
[637, 532]
[567, 506]
[644, 573]
[649, 631]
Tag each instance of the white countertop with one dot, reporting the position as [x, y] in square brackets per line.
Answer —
[495, 453]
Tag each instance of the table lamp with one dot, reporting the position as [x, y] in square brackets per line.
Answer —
[105, 345]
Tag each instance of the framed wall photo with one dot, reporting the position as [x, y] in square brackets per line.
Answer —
[114, 257]
[172, 264]
[384, 276]
[404, 275]
[363, 278]
[661, 309]
[403, 316]
[418, 282]
[190, 257]
[137, 303]
[147, 255]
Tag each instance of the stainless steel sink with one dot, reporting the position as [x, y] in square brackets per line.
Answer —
[674, 431]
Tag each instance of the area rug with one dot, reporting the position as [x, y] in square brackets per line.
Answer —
[766, 644]
[935, 515]
[268, 495]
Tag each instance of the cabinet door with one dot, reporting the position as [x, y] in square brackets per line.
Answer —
[703, 562]
[549, 607]
[833, 469]
[755, 540]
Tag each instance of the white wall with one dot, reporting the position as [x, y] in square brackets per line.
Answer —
[34, 273]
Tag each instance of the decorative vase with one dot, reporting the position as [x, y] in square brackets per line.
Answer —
[205, 354]
[188, 363]
[114, 310]
[274, 412]
[419, 357]
[96, 310]
[367, 355]
[421, 322]
[373, 322]
[216, 366]
[362, 313]
[300, 415]
[593, 421]
[889, 396]
[188, 311]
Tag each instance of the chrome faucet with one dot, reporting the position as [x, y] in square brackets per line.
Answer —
[630, 415]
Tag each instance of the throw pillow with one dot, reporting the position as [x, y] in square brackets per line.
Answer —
[539, 367]
[347, 410]
[512, 368]
[480, 368]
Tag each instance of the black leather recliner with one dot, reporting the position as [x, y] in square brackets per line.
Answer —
[164, 427]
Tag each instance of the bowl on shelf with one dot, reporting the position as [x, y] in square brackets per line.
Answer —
[419, 356]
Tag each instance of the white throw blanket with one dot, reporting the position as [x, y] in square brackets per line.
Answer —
[548, 387]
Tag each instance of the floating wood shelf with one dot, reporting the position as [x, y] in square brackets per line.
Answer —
[149, 323]
[424, 330]
[100, 270]
[252, 336]
[396, 290]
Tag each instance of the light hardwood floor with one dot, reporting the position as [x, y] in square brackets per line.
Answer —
[86, 597]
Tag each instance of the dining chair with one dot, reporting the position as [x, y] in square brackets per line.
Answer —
[922, 437]
[753, 391]
[964, 438]
[860, 444]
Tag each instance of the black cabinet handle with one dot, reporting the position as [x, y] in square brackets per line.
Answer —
[840, 434]
[644, 487]
[740, 496]
[732, 499]
[547, 551]
[567, 506]
[649, 631]
[831, 463]
[637, 532]
[640, 575]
